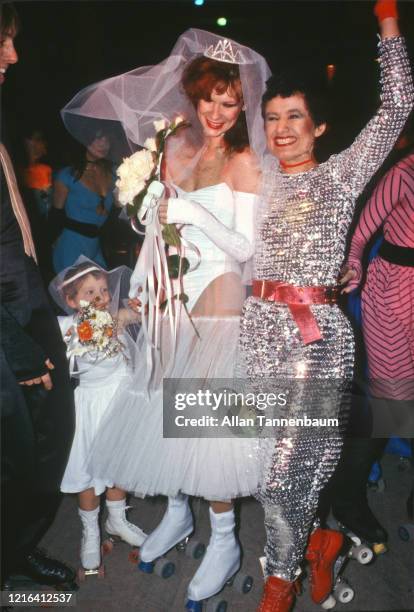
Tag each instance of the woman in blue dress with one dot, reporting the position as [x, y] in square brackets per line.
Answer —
[84, 192]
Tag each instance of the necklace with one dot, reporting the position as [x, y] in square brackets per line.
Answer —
[302, 163]
[212, 166]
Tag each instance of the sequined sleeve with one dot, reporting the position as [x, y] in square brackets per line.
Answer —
[361, 160]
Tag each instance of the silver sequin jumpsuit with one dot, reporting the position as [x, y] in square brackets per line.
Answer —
[301, 241]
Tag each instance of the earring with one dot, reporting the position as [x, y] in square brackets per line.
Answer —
[243, 107]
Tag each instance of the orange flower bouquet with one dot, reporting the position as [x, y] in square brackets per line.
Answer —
[95, 332]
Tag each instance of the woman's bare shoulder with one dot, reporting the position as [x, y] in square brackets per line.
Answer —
[243, 171]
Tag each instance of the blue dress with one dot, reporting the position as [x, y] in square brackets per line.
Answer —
[80, 206]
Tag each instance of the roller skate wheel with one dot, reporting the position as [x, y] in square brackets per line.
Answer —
[146, 566]
[406, 532]
[164, 568]
[344, 593]
[133, 556]
[242, 583]
[379, 549]
[216, 604]
[195, 549]
[194, 606]
[363, 554]
[107, 546]
[329, 603]
[98, 571]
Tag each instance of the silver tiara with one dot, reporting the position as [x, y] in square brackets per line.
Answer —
[224, 52]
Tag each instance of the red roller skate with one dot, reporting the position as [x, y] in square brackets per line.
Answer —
[327, 553]
[279, 595]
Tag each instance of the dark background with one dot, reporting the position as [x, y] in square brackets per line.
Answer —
[64, 46]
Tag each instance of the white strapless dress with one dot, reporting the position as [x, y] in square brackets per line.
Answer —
[219, 201]
[129, 448]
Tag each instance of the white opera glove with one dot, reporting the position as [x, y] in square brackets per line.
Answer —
[237, 242]
[139, 275]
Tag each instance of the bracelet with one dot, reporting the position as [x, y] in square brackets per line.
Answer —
[385, 8]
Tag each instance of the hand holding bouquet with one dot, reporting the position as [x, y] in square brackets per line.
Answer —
[138, 185]
[140, 190]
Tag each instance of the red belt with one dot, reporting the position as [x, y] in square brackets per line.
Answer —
[298, 300]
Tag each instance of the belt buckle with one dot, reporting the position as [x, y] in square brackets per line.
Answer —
[331, 294]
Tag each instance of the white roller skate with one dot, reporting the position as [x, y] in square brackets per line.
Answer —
[176, 525]
[220, 563]
[117, 525]
[90, 553]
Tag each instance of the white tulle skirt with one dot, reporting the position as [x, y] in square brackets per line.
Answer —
[130, 449]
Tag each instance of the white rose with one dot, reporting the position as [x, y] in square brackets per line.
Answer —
[161, 124]
[104, 318]
[133, 173]
[179, 119]
[151, 144]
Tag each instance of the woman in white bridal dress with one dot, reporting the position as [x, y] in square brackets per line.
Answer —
[212, 167]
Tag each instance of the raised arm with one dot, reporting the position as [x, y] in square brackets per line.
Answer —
[360, 161]
[387, 14]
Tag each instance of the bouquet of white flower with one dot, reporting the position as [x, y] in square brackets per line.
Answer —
[133, 175]
[95, 332]
[140, 189]
[138, 185]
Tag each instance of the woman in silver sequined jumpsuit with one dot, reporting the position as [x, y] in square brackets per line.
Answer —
[302, 232]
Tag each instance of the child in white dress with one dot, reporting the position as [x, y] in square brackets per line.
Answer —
[97, 347]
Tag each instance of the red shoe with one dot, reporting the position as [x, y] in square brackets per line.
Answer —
[323, 549]
[279, 595]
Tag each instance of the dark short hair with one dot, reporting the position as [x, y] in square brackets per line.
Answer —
[304, 80]
[201, 77]
[9, 19]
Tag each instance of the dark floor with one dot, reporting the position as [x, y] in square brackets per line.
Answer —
[385, 585]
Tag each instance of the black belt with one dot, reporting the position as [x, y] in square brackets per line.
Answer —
[86, 229]
[401, 256]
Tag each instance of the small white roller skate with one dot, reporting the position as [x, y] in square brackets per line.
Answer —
[90, 552]
[119, 528]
